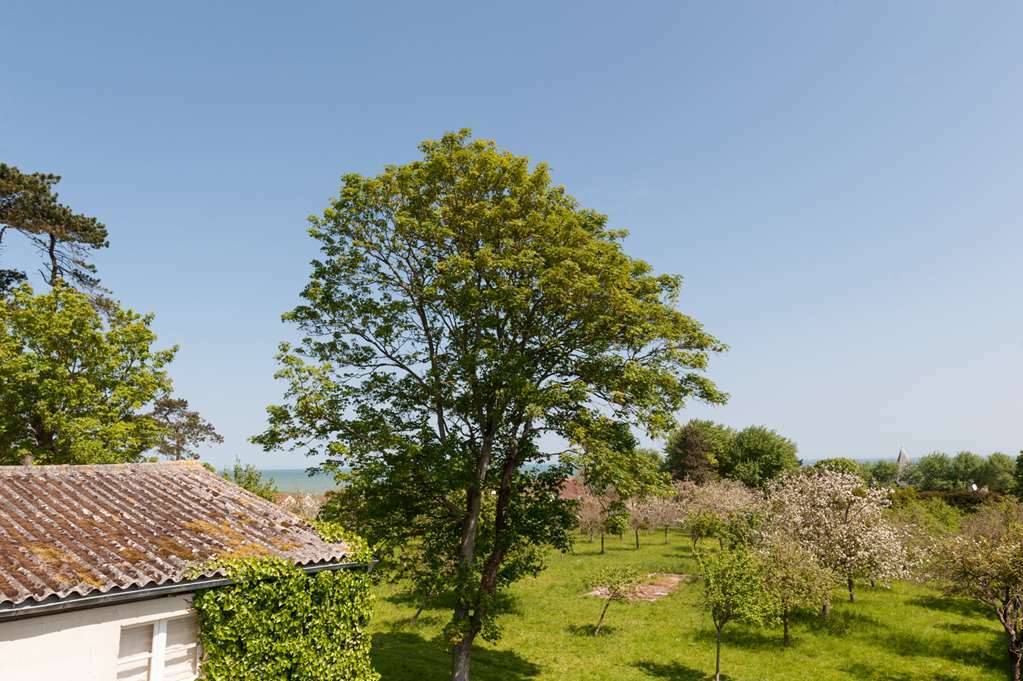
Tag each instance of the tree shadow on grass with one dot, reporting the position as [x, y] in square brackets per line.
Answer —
[405, 656]
[957, 628]
[838, 623]
[741, 636]
[868, 673]
[955, 606]
[585, 630]
[673, 671]
[905, 644]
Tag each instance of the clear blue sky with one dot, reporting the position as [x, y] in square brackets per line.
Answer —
[839, 183]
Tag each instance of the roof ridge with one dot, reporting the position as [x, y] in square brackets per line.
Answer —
[105, 467]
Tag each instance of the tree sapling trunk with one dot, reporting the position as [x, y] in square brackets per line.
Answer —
[717, 656]
[600, 622]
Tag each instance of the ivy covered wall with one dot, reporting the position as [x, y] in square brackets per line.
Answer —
[275, 622]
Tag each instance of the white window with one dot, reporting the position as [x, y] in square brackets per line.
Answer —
[165, 650]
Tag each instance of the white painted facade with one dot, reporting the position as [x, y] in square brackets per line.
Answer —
[152, 640]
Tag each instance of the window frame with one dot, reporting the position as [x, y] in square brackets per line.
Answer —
[156, 657]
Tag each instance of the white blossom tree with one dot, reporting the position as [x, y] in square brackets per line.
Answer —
[710, 508]
[840, 520]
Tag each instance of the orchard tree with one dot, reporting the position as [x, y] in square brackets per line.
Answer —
[662, 513]
[757, 456]
[793, 578]
[73, 383]
[695, 451]
[618, 583]
[590, 513]
[183, 429]
[984, 564]
[733, 589]
[839, 519]
[466, 312]
[712, 508]
[646, 483]
[29, 206]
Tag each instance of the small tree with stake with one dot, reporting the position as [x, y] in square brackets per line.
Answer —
[733, 589]
[620, 583]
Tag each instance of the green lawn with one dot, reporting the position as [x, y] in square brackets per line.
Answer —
[899, 634]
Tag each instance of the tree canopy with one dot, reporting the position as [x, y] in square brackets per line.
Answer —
[696, 450]
[30, 206]
[758, 455]
[183, 429]
[465, 312]
[73, 385]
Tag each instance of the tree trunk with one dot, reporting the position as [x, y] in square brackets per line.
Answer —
[717, 657]
[52, 252]
[721, 542]
[601, 543]
[666, 535]
[1015, 664]
[637, 538]
[600, 622]
[460, 658]
[826, 609]
[852, 590]
[785, 626]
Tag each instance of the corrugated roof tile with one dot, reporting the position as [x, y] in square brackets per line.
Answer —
[75, 530]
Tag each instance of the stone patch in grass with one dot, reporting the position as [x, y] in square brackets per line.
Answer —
[656, 586]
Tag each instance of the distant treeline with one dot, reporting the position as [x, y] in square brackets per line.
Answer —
[703, 450]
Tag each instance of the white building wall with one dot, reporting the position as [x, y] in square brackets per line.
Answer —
[79, 645]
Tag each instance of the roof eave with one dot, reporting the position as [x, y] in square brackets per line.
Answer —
[50, 606]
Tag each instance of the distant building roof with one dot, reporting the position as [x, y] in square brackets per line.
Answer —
[903, 460]
[68, 531]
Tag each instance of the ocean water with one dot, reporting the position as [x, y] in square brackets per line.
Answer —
[299, 480]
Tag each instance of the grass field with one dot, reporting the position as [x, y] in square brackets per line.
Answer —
[896, 634]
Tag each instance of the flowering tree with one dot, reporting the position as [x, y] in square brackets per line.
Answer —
[710, 508]
[984, 564]
[589, 512]
[840, 520]
[662, 513]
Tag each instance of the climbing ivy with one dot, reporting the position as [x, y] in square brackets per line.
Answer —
[274, 621]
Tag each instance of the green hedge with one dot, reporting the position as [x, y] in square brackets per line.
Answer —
[276, 622]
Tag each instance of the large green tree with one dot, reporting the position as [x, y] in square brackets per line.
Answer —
[29, 206]
[757, 455]
[468, 318]
[74, 383]
[695, 450]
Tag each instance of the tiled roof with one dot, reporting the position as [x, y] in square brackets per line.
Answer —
[75, 530]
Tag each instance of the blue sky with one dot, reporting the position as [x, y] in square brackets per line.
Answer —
[839, 184]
